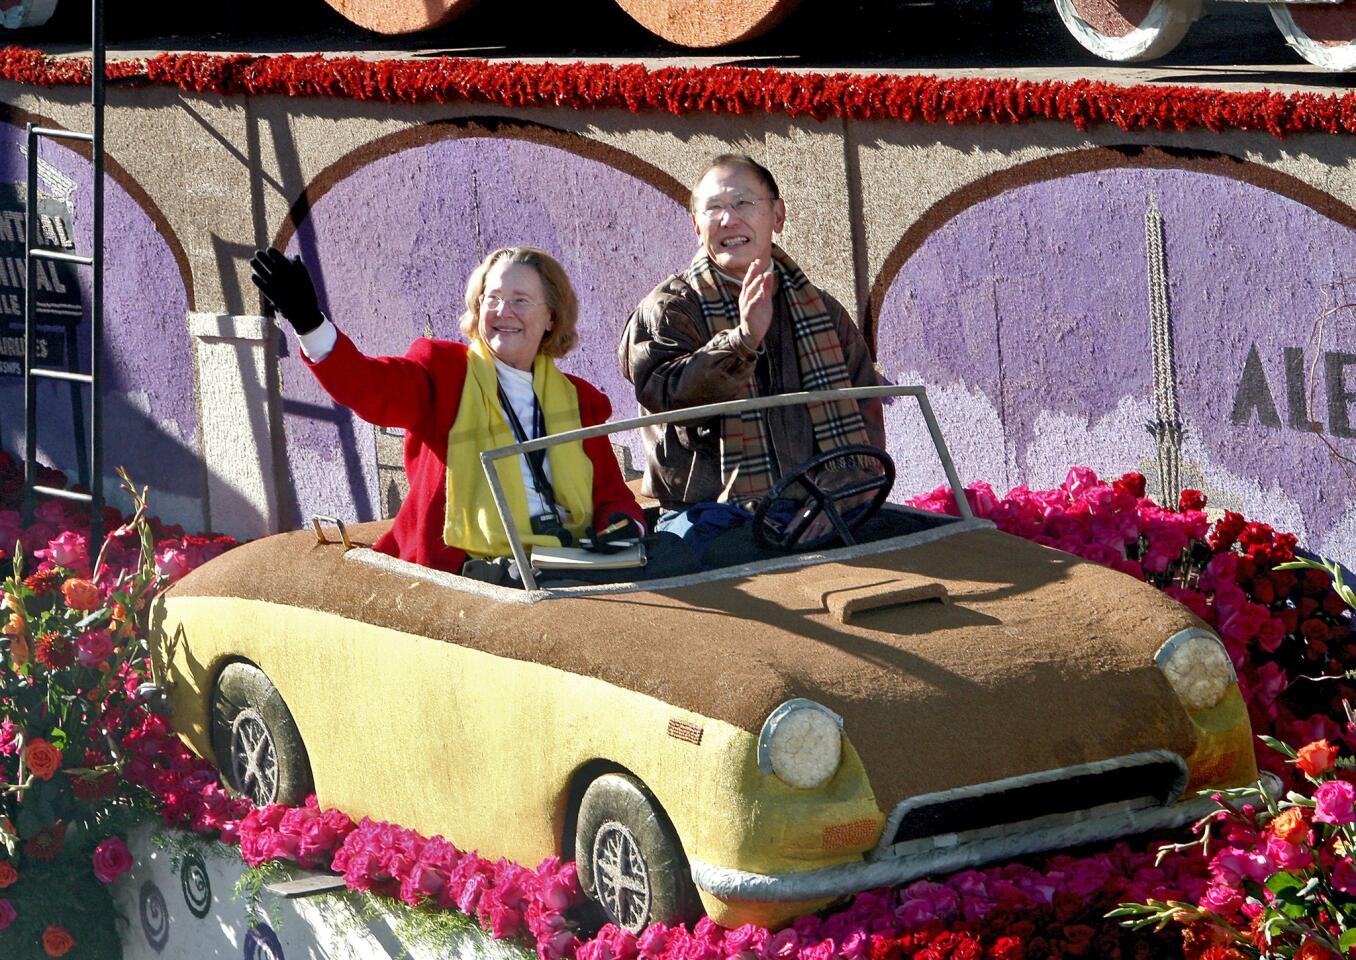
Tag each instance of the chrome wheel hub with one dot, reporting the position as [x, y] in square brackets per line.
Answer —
[621, 877]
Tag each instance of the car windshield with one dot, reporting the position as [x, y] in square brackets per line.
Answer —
[890, 522]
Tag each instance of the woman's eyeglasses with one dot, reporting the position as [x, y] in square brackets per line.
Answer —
[493, 301]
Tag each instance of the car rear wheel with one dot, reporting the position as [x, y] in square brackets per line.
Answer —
[628, 856]
[1126, 30]
[1324, 35]
[257, 744]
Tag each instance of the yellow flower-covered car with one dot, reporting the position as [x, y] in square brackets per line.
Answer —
[766, 736]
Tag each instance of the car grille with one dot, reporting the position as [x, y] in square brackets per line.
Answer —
[1154, 778]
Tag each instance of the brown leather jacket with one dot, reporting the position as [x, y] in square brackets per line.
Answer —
[666, 353]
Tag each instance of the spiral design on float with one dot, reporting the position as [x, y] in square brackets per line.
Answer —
[261, 943]
[196, 885]
[154, 916]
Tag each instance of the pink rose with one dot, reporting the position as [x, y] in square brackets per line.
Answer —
[172, 562]
[653, 941]
[1232, 865]
[94, 648]
[1288, 856]
[70, 550]
[782, 945]
[1344, 876]
[111, 859]
[7, 913]
[915, 913]
[1333, 802]
[1221, 899]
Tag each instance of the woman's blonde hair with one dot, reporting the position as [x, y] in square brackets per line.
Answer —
[560, 297]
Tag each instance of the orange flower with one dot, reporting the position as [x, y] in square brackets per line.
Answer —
[1316, 758]
[42, 758]
[16, 627]
[57, 941]
[81, 594]
[7, 874]
[1291, 827]
[1313, 950]
[18, 651]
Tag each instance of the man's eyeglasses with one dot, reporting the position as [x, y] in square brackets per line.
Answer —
[713, 210]
[493, 301]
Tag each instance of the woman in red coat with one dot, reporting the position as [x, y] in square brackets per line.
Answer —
[455, 400]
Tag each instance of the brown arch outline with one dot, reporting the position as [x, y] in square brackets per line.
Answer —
[1132, 156]
[123, 179]
[466, 127]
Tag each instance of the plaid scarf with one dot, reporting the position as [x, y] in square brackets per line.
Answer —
[746, 463]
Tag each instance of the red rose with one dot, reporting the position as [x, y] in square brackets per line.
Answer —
[57, 941]
[111, 859]
[1316, 582]
[1077, 939]
[1191, 500]
[42, 758]
[1290, 825]
[7, 874]
[967, 949]
[1131, 483]
[1333, 605]
[1008, 948]
[81, 594]
[1316, 758]
[1314, 630]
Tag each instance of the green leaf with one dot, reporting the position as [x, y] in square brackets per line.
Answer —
[1282, 882]
[1278, 746]
[27, 822]
[1347, 940]
[92, 618]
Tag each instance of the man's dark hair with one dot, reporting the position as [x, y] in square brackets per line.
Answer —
[735, 160]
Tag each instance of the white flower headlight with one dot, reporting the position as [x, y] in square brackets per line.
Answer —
[802, 743]
[1197, 666]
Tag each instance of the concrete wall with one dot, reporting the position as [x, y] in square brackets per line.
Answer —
[1014, 270]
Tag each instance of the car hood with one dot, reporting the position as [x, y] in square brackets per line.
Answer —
[1036, 660]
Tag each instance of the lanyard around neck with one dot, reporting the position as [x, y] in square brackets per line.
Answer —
[536, 460]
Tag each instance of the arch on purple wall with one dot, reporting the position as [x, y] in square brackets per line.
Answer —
[1132, 156]
[470, 127]
[119, 175]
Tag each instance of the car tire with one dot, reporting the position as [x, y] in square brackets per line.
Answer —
[256, 741]
[628, 856]
[1128, 30]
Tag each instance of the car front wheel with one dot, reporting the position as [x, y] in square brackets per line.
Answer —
[258, 746]
[628, 856]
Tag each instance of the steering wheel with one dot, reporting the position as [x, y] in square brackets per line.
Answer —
[789, 534]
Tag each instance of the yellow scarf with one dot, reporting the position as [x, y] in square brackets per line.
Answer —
[473, 521]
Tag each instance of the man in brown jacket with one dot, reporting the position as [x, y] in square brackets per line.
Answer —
[742, 320]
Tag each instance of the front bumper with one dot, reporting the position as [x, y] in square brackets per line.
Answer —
[949, 853]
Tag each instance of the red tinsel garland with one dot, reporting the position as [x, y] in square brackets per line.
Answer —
[680, 90]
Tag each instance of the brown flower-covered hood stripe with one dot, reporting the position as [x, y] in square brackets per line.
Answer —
[1039, 659]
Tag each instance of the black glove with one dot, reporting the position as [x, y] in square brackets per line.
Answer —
[621, 531]
[287, 285]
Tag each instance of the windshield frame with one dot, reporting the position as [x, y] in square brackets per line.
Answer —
[703, 412]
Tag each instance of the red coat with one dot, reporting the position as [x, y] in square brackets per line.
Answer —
[421, 392]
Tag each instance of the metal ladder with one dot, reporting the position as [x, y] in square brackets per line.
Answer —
[90, 458]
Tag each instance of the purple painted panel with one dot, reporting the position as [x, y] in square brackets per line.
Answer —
[150, 422]
[395, 242]
[1028, 317]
